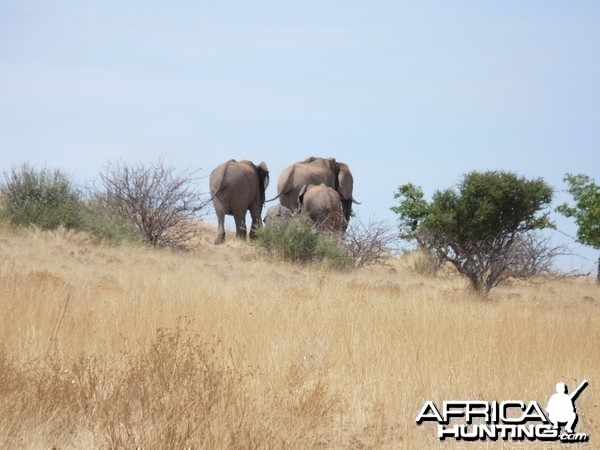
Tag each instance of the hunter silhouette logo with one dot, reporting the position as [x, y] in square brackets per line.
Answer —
[472, 420]
[561, 406]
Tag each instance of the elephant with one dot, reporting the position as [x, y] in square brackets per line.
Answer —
[277, 212]
[237, 187]
[315, 170]
[324, 206]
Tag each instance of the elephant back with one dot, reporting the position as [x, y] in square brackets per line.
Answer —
[238, 181]
[312, 171]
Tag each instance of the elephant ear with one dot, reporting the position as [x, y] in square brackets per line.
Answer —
[263, 166]
[335, 170]
[344, 182]
[263, 179]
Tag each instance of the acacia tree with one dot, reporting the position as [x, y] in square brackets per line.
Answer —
[586, 211]
[156, 199]
[476, 227]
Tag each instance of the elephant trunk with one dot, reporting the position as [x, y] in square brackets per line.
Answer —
[347, 209]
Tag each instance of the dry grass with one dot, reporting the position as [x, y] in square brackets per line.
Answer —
[127, 347]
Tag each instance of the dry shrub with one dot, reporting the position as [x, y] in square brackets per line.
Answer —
[308, 407]
[425, 262]
[370, 244]
[169, 394]
[178, 392]
[44, 396]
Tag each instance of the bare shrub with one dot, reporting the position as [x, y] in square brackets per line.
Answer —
[370, 244]
[160, 202]
[531, 255]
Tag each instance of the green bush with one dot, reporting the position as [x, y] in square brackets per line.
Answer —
[106, 227]
[48, 199]
[42, 197]
[296, 240]
[332, 251]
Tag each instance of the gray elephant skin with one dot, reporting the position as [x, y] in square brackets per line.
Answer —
[277, 212]
[235, 188]
[315, 170]
[324, 206]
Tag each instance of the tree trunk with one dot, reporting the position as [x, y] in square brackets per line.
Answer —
[478, 285]
[598, 274]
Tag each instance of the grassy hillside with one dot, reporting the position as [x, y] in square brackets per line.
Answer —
[125, 347]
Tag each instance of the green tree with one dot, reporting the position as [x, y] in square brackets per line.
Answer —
[586, 211]
[476, 227]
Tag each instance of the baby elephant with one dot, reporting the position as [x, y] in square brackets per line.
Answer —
[324, 206]
[277, 212]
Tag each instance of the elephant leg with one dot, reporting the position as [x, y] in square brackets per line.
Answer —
[255, 224]
[221, 229]
[240, 225]
[255, 211]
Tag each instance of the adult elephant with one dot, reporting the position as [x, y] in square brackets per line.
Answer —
[235, 188]
[324, 206]
[315, 171]
[277, 212]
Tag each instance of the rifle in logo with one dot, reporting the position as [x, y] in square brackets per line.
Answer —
[580, 388]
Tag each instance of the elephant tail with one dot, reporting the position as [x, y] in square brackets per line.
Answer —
[218, 184]
[212, 197]
[274, 198]
[216, 190]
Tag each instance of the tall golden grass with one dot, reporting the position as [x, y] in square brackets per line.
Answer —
[126, 347]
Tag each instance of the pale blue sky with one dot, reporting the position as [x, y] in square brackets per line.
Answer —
[402, 91]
